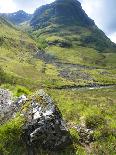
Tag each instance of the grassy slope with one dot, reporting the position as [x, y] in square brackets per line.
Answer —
[81, 106]
[16, 55]
[87, 106]
[96, 66]
[17, 61]
[18, 65]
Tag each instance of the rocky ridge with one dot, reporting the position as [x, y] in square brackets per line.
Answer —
[17, 17]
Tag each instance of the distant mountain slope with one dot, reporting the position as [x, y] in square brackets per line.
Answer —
[65, 17]
[17, 17]
[68, 40]
[65, 12]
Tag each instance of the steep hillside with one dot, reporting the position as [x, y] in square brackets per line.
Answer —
[66, 17]
[57, 13]
[16, 49]
[70, 42]
[17, 17]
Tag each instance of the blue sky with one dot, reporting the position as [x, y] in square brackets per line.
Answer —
[103, 12]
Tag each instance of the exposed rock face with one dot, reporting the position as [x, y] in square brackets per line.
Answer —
[8, 107]
[5, 105]
[62, 44]
[46, 127]
[5, 98]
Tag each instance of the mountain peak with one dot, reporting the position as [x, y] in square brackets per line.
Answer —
[71, 1]
[21, 11]
[17, 17]
[64, 12]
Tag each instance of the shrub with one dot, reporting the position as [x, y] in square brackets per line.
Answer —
[1, 41]
[93, 122]
[104, 133]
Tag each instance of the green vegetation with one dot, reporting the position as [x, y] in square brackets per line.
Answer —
[95, 108]
[10, 137]
[61, 54]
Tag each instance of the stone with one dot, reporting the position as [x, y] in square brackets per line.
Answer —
[21, 99]
[5, 105]
[44, 125]
[46, 128]
[86, 135]
[9, 107]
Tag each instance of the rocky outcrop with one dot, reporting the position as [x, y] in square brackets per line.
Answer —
[57, 13]
[63, 44]
[86, 135]
[5, 105]
[9, 106]
[45, 127]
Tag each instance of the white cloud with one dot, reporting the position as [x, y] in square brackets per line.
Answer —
[30, 5]
[113, 37]
[103, 12]
[7, 6]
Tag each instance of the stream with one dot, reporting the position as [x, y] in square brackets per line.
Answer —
[73, 88]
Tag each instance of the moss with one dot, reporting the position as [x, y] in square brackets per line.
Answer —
[10, 136]
[22, 90]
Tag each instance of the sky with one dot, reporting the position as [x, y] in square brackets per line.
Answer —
[103, 12]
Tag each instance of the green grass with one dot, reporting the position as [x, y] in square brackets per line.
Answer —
[93, 107]
[10, 137]
[23, 73]
[96, 108]
[17, 58]
[78, 53]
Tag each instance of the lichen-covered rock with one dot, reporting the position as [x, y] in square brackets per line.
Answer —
[8, 105]
[5, 105]
[45, 127]
[86, 135]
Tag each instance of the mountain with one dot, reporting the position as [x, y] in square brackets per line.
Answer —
[17, 17]
[63, 17]
[65, 12]
[68, 40]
